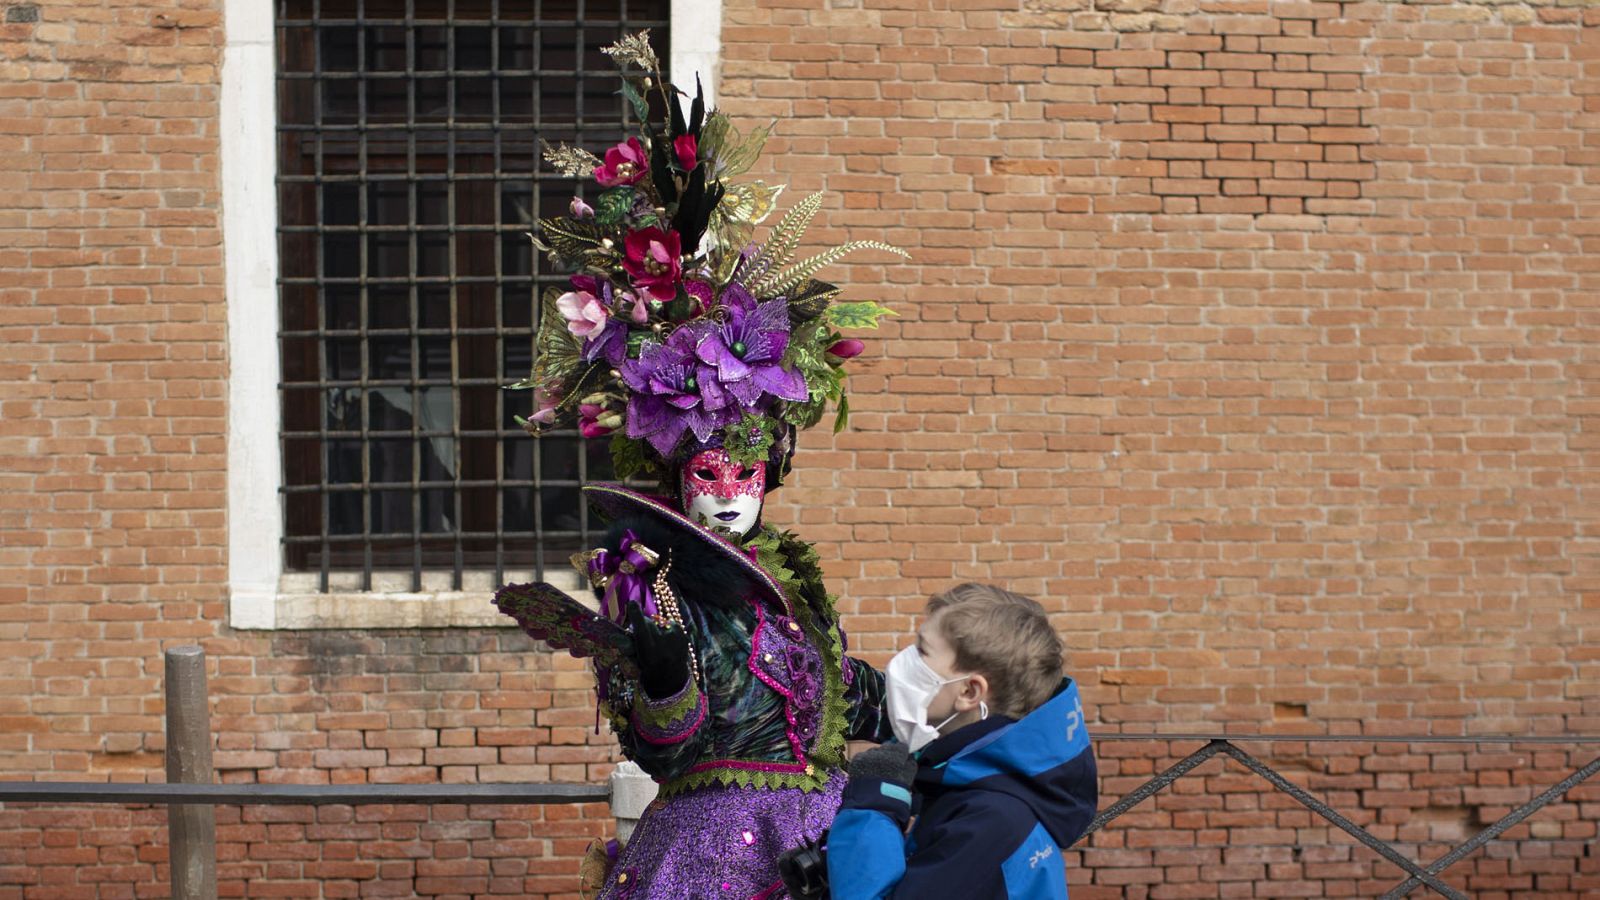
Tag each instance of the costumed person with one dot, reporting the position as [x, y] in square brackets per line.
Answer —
[719, 660]
[992, 753]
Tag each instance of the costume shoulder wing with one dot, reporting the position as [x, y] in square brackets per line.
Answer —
[549, 615]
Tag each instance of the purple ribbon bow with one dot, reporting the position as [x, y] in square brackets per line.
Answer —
[623, 575]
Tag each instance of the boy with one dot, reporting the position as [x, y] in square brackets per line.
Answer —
[992, 737]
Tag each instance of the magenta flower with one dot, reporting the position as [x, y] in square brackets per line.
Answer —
[651, 258]
[847, 348]
[626, 163]
[585, 315]
[686, 148]
[593, 421]
[702, 292]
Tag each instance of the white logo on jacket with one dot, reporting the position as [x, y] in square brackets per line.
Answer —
[1040, 856]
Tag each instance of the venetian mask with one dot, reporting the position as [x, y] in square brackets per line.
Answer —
[721, 494]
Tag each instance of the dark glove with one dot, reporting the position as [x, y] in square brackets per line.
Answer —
[891, 763]
[880, 779]
[662, 655]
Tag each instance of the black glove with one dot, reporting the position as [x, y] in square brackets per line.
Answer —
[662, 655]
[880, 779]
[890, 763]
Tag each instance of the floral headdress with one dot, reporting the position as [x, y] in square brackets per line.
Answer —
[675, 332]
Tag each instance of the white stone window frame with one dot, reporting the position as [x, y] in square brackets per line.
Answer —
[261, 595]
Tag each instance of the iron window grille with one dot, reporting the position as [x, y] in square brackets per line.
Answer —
[408, 176]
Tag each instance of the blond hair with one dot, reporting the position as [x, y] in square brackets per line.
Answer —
[1004, 637]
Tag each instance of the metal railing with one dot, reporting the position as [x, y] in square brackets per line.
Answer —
[1418, 875]
[191, 794]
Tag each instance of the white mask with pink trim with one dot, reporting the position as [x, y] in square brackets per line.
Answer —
[721, 494]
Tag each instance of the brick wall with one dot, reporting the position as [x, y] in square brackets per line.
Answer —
[1258, 339]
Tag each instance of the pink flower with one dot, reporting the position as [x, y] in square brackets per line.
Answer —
[545, 408]
[590, 418]
[651, 258]
[586, 318]
[625, 163]
[580, 209]
[686, 148]
[641, 310]
[847, 348]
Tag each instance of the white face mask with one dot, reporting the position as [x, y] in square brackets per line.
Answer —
[909, 686]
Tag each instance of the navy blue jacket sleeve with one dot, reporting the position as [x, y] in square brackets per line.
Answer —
[961, 856]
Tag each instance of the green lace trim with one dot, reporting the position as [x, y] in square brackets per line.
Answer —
[747, 778]
[797, 567]
[660, 718]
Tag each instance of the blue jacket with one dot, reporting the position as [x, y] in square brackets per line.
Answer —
[999, 800]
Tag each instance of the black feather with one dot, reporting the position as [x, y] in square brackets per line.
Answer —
[661, 172]
[697, 111]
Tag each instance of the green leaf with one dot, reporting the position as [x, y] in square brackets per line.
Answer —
[748, 440]
[570, 240]
[843, 420]
[628, 459]
[856, 315]
[612, 206]
[641, 109]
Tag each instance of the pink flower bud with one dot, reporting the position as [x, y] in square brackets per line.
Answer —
[847, 348]
[580, 209]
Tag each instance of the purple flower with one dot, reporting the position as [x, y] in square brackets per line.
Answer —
[747, 349]
[670, 391]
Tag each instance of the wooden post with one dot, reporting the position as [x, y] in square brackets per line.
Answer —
[191, 828]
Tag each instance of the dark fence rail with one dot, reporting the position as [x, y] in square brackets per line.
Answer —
[297, 794]
[193, 839]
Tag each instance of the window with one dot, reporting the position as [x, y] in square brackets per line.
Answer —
[408, 175]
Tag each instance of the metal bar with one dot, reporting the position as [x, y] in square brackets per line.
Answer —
[1155, 785]
[364, 310]
[499, 292]
[191, 829]
[1500, 827]
[297, 794]
[1343, 824]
